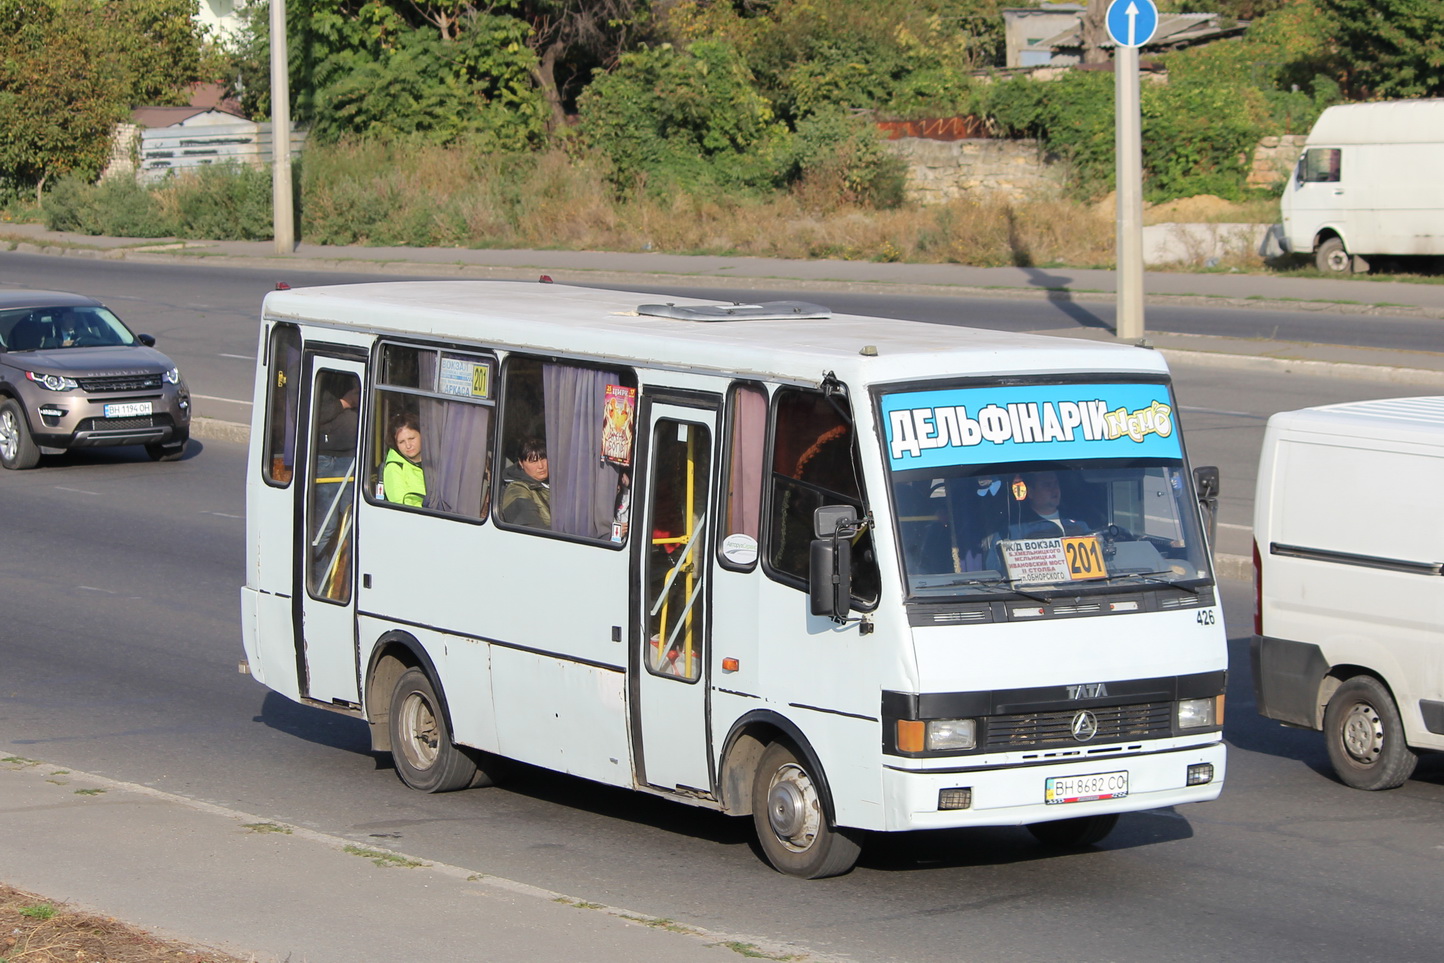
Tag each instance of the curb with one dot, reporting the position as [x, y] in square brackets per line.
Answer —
[501, 889]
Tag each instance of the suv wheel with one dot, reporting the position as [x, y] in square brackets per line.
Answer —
[173, 451]
[17, 448]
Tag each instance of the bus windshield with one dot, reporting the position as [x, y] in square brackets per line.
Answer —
[1020, 489]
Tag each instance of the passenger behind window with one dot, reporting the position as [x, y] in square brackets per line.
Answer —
[526, 499]
[402, 479]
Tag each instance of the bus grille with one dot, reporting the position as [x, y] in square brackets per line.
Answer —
[1038, 730]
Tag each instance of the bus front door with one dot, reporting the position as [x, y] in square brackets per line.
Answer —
[327, 632]
[673, 648]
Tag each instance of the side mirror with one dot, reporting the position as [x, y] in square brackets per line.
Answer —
[829, 570]
[146, 339]
[829, 578]
[829, 520]
[1206, 483]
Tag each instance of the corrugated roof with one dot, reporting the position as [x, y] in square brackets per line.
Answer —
[1173, 28]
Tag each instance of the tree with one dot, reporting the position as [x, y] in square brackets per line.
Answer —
[573, 38]
[158, 44]
[669, 118]
[61, 93]
[1388, 48]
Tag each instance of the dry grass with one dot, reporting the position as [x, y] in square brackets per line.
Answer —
[36, 930]
[373, 194]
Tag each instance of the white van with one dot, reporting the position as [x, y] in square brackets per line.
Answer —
[1368, 184]
[1348, 554]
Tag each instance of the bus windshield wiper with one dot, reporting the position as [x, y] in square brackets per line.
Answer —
[1010, 585]
[1153, 577]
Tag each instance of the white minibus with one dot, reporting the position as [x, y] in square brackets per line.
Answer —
[839, 574]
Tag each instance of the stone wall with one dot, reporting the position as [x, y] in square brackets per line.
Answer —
[1274, 159]
[940, 171]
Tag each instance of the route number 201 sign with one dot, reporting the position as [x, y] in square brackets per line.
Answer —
[1072, 558]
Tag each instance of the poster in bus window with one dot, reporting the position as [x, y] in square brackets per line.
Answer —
[617, 416]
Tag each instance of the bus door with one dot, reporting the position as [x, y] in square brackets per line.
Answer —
[671, 656]
[327, 629]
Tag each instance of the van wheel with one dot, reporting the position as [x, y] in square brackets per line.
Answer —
[1331, 258]
[1074, 833]
[1365, 736]
[791, 819]
[426, 759]
[17, 448]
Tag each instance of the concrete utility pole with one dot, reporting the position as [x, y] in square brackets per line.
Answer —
[282, 201]
[1131, 24]
[1128, 143]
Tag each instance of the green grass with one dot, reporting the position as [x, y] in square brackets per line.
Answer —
[383, 859]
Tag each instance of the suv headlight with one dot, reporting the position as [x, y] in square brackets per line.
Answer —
[53, 382]
[171, 377]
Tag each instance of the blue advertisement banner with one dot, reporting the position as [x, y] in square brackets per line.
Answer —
[975, 426]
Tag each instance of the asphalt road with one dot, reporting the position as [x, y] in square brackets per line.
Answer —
[121, 635]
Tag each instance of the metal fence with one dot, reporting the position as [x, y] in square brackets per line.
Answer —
[164, 150]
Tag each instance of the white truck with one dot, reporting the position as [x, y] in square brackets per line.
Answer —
[1348, 559]
[1367, 185]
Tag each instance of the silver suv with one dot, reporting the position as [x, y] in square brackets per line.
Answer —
[72, 375]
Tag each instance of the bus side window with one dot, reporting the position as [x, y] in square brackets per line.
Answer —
[814, 463]
[282, 389]
[569, 414]
[431, 430]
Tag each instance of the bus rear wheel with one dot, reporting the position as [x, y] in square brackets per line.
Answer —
[791, 819]
[426, 759]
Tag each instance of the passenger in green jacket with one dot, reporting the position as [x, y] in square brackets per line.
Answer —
[401, 477]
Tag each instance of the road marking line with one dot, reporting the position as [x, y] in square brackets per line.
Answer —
[238, 357]
[78, 491]
[233, 401]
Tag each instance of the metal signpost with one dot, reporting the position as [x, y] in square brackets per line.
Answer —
[1131, 24]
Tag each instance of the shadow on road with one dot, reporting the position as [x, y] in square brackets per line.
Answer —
[1059, 296]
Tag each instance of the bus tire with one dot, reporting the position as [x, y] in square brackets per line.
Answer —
[1365, 736]
[426, 760]
[1074, 833]
[790, 817]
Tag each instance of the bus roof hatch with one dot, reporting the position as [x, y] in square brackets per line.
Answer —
[765, 311]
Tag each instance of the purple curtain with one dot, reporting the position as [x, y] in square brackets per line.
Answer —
[583, 484]
[453, 455]
[744, 483]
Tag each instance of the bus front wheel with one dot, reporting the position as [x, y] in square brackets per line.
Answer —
[426, 759]
[791, 819]
[1074, 833]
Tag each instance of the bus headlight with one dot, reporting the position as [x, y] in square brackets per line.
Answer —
[936, 735]
[1200, 713]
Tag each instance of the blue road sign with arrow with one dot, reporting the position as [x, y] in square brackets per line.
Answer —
[1131, 23]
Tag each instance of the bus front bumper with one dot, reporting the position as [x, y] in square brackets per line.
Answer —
[1014, 795]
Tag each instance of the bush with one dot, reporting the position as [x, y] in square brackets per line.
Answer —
[671, 119]
[222, 201]
[840, 158]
